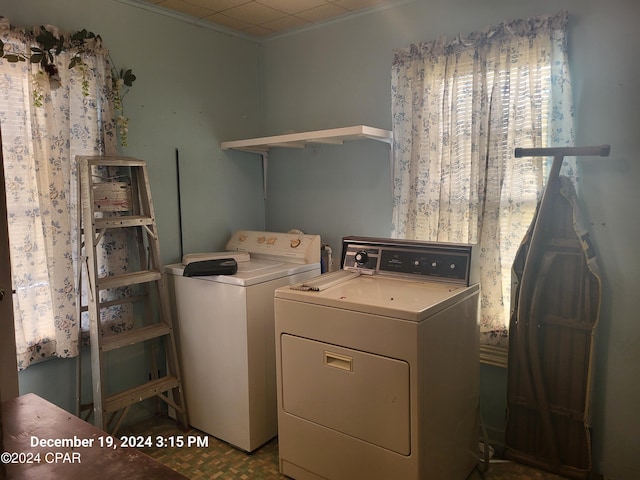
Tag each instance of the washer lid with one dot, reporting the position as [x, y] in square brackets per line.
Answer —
[197, 257]
[379, 295]
[252, 272]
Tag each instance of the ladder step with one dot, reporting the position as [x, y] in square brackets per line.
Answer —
[115, 161]
[127, 279]
[113, 403]
[134, 336]
[121, 222]
[118, 301]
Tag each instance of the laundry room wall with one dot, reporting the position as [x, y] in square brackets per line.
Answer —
[195, 87]
[340, 75]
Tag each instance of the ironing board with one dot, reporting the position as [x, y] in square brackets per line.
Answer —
[555, 308]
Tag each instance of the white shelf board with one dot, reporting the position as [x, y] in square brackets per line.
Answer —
[333, 136]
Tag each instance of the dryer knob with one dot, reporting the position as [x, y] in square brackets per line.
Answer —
[361, 257]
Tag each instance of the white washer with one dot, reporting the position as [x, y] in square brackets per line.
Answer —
[378, 365]
[225, 331]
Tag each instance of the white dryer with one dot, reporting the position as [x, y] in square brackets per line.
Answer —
[378, 365]
[225, 331]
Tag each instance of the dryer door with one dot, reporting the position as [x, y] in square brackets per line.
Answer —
[356, 393]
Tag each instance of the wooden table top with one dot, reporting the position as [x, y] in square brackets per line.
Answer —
[47, 442]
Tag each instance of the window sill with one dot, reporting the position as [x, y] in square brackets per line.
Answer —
[493, 355]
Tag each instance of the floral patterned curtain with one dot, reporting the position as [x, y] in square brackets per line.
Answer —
[460, 108]
[47, 118]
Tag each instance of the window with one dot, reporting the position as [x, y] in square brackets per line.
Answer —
[46, 121]
[460, 108]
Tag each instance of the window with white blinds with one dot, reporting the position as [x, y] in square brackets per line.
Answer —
[459, 110]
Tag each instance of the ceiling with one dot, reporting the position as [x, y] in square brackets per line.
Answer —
[263, 18]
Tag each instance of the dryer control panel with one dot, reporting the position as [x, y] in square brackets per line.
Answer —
[446, 262]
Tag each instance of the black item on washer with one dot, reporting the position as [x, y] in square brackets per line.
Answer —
[221, 266]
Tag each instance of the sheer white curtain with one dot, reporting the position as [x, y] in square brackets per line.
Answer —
[45, 123]
[460, 108]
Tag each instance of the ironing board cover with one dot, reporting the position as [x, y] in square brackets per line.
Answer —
[551, 343]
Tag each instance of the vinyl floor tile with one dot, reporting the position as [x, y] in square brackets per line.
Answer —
[220, 461]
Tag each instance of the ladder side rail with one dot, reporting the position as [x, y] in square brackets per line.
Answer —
[139, 203]
[171, 352]
[143, 188]
[93, 293]
[79, 287]
[141, 240]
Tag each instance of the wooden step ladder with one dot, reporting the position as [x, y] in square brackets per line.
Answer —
[115, 195]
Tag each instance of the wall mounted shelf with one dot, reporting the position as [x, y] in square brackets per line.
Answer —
[333, 136]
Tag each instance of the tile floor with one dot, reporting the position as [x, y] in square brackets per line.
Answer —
[220, 461]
